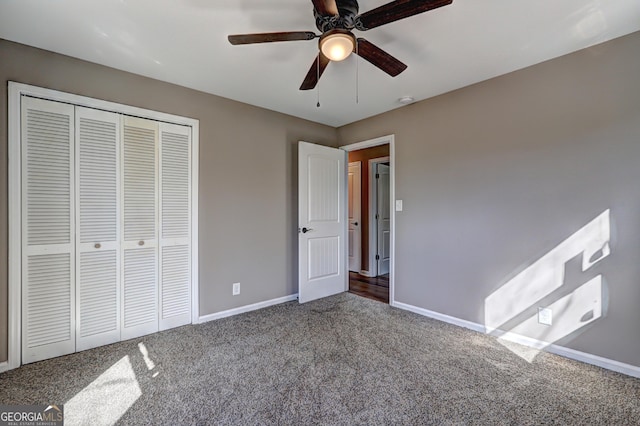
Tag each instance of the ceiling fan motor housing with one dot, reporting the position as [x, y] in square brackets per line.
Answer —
[347, 18]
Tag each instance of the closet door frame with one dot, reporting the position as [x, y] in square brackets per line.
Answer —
[15, 93]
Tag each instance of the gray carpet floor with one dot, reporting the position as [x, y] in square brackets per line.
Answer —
[337, 361]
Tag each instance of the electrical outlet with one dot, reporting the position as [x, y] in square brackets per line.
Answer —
[236, 289]
[545, 316]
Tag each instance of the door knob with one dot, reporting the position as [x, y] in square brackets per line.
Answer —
[140, 243]
[305, 230]
[355, 223]
[97, 245]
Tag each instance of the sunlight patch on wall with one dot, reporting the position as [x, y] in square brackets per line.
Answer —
[571, 312]
[105, 400]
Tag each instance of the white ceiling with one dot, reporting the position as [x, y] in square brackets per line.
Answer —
[184, 42]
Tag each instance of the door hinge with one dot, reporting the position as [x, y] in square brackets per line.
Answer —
[377, 216]
[377, 175]
[377, 257]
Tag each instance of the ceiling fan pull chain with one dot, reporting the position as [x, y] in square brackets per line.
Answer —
[318, 78]
[357, 75]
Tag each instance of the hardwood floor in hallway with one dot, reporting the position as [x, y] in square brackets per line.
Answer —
[372, 288]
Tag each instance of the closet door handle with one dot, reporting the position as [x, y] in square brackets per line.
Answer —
[97, 245]
[141, 243]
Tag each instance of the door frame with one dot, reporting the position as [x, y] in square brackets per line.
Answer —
[383, 140]
[373, 208]
[14, 299]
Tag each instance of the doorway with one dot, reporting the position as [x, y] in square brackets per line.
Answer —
[374, 159]
[323, 254]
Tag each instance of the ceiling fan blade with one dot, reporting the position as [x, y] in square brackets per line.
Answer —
[397, 10]
[270, 37]
[379, 58]
[325, 7]
[315, 72]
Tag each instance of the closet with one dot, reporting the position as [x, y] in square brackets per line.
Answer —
[106, 227]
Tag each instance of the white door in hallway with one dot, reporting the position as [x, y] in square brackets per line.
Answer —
[322, 221]
[383, 219]
[354, 189]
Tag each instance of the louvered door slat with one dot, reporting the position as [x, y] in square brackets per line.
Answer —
[175, 229]
[98, 297]
[139, 183]
[98, 245]
[176, 286]
[48, 319]
[140, 213]
[140, 290]
[175, 183]
[48, 297]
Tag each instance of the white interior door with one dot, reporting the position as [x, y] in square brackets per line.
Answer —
[175, 225]
[140, 234]
[322, 224]
[48, 293]
[354, 182]
[98, 230]
[383, 219]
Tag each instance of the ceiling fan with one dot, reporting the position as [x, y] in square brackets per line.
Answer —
[336, 19]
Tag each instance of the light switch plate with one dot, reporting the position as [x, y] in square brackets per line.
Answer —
[398, 205]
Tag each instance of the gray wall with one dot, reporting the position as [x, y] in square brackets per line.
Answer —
[495, 175]
[248, 206]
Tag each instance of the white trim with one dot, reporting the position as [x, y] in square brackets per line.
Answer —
[441, 317]
[609, 364]
[368, 143]
[15, 225]
[195, 163]
[366, 273]
[246, 308]
[14, 92]
[78, 100]
[389, 139]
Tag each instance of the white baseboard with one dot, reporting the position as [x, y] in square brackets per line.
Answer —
[609, 364]
[4, 366]
[365, 273]
[247, 308]
[440, 317]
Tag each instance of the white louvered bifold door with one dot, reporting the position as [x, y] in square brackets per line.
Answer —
[48, 305]
[175, 225]
[139, 226]
[97, 232]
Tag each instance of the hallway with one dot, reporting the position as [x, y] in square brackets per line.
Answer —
[372, 288]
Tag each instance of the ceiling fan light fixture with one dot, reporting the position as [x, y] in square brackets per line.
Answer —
[337, 45]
